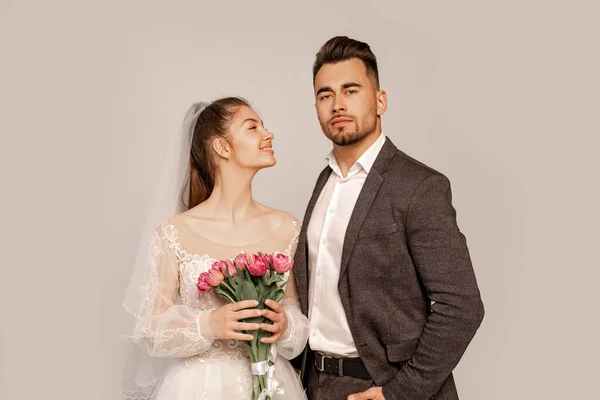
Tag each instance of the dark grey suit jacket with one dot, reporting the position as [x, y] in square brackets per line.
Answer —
[402, 250]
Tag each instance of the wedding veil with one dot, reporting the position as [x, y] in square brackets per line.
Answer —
[142, 371]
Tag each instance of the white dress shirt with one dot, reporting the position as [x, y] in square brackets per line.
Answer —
[329, 330]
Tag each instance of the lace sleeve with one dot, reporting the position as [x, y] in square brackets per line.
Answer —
[293, 244]
[293, 341]
[164, 328]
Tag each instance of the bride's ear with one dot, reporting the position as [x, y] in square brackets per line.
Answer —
[222, 148]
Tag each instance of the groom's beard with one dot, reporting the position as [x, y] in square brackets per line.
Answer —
[342, 136]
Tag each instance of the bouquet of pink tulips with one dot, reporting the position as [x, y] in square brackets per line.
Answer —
[252, 277]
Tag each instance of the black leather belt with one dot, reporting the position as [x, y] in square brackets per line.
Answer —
[341, 366]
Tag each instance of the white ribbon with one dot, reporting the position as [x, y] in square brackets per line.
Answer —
[261, 368]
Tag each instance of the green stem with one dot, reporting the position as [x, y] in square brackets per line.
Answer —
[227, 289]
[225, 294]
[228, 286]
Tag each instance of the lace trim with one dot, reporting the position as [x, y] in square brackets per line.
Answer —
[142, 392]
[296, 227]
[183, 255]
[286, 346]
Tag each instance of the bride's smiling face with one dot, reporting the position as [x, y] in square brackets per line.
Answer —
[249, 144]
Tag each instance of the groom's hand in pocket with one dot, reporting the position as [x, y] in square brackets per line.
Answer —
[374, 393]
[279, 318]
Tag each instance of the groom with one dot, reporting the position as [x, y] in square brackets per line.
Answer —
[382, 269]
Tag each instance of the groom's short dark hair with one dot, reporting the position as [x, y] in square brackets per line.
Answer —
[342, 48]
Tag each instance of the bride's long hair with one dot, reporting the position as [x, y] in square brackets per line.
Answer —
[213, 122]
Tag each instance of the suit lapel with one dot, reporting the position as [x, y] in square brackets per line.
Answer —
[361, 209]
[365, 200]
[301, 260]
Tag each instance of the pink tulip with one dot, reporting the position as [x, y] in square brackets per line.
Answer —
[259, 266]
[203, 285]
[215, 277]
[230, 267]
[262, 257]
[224, 266]
[270, 258]
[240, 261]
[282, 263]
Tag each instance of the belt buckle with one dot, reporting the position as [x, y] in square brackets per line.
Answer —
[340, 366]
[321, 367]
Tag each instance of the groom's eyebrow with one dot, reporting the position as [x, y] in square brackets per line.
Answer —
[350, 84]
[324, 89]
[344, 86]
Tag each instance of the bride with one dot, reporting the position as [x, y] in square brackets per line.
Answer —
[186, 345]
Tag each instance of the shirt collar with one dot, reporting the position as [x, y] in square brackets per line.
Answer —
[365, 161]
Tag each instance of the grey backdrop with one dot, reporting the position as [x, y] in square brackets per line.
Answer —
[503, 97]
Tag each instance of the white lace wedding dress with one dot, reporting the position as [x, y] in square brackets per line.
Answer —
[172, 323]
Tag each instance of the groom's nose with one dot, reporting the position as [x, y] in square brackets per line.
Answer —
[338, 106]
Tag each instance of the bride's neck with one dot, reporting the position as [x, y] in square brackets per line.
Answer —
[231, 198]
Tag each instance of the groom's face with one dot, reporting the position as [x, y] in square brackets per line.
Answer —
[346, 101]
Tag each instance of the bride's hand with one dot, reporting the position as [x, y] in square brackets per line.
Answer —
[224, 322]
[279, 318]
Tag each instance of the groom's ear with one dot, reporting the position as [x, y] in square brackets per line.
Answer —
[381, 102]
[222, 148]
